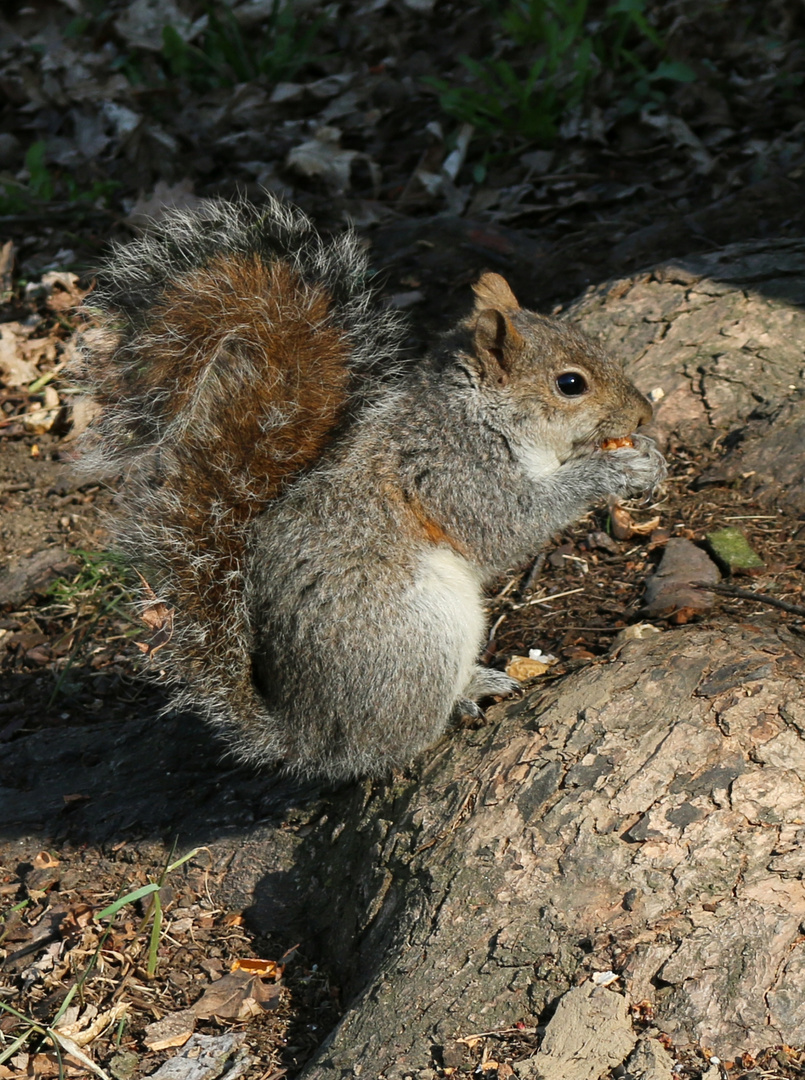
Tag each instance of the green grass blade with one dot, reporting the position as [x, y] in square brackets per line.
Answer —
[129, 898]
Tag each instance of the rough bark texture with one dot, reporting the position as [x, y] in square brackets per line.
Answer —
[646, 814]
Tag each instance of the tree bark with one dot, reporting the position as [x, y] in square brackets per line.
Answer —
[645, 815]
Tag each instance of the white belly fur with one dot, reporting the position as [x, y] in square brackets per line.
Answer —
[450, 599]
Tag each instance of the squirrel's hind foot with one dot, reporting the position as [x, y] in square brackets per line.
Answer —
[467, 714]
[485, 682]
[488, 682]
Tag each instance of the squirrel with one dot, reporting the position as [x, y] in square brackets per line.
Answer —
[314, 515]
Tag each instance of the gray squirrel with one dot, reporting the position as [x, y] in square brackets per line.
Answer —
[313, 516]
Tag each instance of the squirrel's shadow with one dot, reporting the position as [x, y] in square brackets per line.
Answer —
[143, 777]
[159, 782]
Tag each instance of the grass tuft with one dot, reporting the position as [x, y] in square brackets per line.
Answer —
[554, 54]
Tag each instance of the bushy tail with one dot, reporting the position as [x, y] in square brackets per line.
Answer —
[235, 344]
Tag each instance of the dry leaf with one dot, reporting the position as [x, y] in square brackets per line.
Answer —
[645, 528]
[142, 21]
[225, 997]
[15, 369]
[75, 1051]
[249, 1008]
[624, 526]
[158, 617]
[228, 997]
[63, 291]
[38, 420]
[38, 349]
[323, 158]
[91, 1023]
[42, 1065]
[266, 969]
[45, 860]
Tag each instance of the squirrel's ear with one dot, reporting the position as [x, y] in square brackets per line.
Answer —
[496, 341]
[492, 291]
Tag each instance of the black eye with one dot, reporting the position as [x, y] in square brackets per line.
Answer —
[571, 384]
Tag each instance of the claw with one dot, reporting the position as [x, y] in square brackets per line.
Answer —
[466, 712]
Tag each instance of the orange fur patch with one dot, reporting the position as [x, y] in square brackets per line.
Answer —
[238, 312]
[427, 528]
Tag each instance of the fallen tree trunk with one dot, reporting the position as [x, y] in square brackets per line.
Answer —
[645, 815]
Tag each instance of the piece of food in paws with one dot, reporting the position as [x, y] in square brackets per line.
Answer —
[619, 443]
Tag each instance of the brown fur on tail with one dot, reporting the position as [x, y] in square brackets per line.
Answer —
[252, 371]
[255, 378]
[255, 381]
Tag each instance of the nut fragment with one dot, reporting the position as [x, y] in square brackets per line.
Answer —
[616, 444]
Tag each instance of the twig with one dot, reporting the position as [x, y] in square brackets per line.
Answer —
[514, 606]
[533, 573]
[747, 594]
[546, 598]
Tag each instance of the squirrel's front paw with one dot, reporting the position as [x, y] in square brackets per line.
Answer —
[635, 469]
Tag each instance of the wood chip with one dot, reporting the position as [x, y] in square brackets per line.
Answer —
[171, 1031]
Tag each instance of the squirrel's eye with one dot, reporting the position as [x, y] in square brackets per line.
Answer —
[571, 384]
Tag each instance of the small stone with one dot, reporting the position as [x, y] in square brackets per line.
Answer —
[674, 590]
[557, 557]
[171, 1031]
[124, 1065]
[650, 1061]
[603, 542]
[208, 1057]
